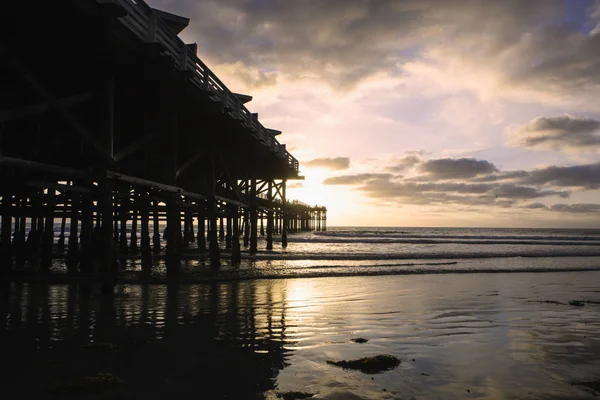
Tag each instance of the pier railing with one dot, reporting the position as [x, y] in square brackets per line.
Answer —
[145, 23]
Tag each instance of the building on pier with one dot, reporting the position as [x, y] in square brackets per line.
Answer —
[109, 121]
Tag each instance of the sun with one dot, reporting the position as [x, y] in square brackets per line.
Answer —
[342, 202]
[311, 190]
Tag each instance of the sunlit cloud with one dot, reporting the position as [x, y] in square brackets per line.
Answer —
[501, 98]
[335, 163]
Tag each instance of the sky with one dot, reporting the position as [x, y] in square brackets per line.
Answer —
[421, 112]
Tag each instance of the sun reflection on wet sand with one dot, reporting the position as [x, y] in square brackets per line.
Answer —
[491, 334]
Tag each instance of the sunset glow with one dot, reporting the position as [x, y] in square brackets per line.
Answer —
[447, 114]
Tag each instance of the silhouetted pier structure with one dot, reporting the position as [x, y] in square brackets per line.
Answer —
[110, 122]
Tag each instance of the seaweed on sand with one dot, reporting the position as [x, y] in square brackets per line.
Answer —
[591, 386]
[294, 395]
[369, 365]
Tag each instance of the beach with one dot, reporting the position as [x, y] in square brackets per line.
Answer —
[473, 335]
[434, 235]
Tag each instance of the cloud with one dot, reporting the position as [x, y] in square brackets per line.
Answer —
[508, 45]
[336, 163]
[406, 162]
[585, 176]
[578, 208]
[357, 179]
[384, 188]
[295, 184]
[472, 182]
[451, 168]
[501, 176]
[560, 133]
[536, 206]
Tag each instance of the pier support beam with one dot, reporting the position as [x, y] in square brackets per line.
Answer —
[123, 216]
[192, 233]
[221, 229]
[33, 242]
[116, 224]
[201, 238]
[73, 249]
[187, 223]
[133, 237]
[215, 252]
[246, 224]
[253, 218]
[48, 235]
[6, 230]
[18, 243]
[107, 255]
[145, 234]
[236, 251]
[87, 227]
[228, 239]
[270, 216]
[262, 224]
[284, 212]
[173, 233]
[156, 229]
[63, 224]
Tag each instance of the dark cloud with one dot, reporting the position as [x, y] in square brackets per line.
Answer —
[563, 132]
[380, 188]
[475, 182]
[536, 206]
[500, 176]
[405, 163]
[525, 192]
[457, 168]
[580, 208]
[586, 176]
[579, 176]
[336, 163]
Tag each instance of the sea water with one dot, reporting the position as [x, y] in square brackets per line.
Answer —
[470, 313]
[350, 251]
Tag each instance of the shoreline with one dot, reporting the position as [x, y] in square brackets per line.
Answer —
[191, 279]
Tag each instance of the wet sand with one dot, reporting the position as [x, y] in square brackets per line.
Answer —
[501, 335]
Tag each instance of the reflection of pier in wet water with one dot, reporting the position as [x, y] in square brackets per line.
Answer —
[159, 339]
[115, 128]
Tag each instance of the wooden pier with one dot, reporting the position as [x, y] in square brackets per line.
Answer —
[113, 128]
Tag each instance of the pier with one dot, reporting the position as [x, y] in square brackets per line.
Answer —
[113, 128]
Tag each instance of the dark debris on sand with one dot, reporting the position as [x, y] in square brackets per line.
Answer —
[294, 395]
[369, 365]
[575, 303]
[359, 340]
[590, 386]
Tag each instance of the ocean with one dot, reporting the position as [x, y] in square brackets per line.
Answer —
[355, 251]
[469, 313]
